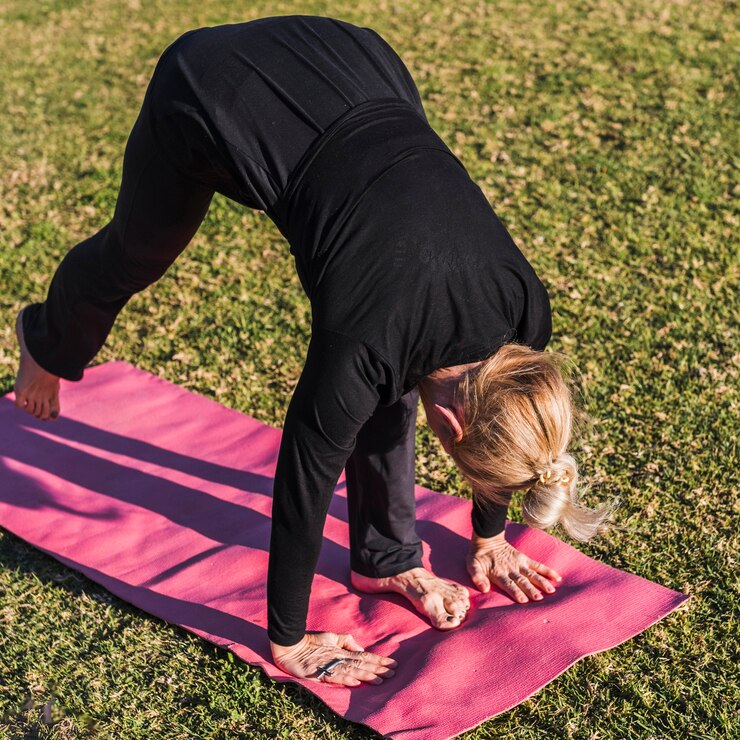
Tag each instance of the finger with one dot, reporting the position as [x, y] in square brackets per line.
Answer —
[540, 581]
[374, 668]
[527, 586]
[545, 570]
[385, 671]
[356, 670]
[341, 679]
[512, 589]
[349, 643]
[32, 406]
[478, 576]
[351, 675]
[367, 676]
[54, 409]
[376, 659]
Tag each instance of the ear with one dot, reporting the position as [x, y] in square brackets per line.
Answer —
[452, 421]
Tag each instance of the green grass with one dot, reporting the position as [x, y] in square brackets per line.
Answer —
[604, 135]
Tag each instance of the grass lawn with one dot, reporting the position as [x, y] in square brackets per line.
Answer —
[603, 133]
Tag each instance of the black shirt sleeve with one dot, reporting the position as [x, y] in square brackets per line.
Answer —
[337, 392]
[488, 519]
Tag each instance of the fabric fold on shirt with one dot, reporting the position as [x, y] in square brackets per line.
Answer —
[337, 170]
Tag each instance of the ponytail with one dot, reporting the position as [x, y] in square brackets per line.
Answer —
[555, 499]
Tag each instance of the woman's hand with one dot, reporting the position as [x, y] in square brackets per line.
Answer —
[318, 648]
[492, 560]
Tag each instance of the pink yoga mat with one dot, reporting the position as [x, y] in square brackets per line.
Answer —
[163, 496]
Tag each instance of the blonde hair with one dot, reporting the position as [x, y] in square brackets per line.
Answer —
[518, 413]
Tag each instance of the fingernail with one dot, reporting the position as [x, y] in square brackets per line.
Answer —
[54, 414]
[377, 680]
[388, 674]
[559, 578]
[538, 597]
[393, 663]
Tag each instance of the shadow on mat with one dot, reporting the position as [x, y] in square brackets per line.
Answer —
[49, 570]
[102, 439]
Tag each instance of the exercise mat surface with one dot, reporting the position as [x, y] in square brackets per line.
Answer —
[163, 496]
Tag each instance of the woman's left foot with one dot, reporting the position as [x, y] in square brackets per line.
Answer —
[36, 391]
[445, 603]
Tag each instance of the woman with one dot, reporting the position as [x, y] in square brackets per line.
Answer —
[416, 290]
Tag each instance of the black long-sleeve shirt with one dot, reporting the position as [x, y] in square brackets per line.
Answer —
[408, 270]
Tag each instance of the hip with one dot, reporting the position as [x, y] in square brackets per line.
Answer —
[240, 104]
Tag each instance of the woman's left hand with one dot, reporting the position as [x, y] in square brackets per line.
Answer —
[492, 560]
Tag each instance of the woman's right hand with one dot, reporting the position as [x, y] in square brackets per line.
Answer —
[319, 648]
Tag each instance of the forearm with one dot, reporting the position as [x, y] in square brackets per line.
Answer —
[301, 496]
[292, 564]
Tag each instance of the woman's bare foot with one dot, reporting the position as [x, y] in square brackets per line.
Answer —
[445, 603]
[36, 391]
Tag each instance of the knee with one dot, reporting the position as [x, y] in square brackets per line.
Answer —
[101, 267]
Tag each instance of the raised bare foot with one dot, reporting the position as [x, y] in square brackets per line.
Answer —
[445, 603]
[36, 391]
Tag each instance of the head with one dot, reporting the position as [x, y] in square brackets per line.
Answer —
[507, 424]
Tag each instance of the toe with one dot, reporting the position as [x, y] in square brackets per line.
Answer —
[39, 409]
[448, 621]
[458, 601]
[434, 607]
[45, 409]
[440, 617]
[54, 406]
[463, 595]
[457, 610]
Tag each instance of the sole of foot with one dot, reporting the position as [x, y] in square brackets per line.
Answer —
[444, 603]
[36, 390]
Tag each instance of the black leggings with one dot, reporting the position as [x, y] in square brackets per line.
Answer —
[231, 109]
[157, 213]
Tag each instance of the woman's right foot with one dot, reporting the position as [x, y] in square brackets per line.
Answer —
[444, 602]
[36, 391]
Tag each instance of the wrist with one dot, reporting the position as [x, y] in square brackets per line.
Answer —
[281, 650]
[477, 540]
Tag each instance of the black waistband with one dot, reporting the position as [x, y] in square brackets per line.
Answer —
[342, 163]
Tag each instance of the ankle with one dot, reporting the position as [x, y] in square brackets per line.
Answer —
[406, 579]
[398, 582]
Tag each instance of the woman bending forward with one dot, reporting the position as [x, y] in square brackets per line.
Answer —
[416, 289]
